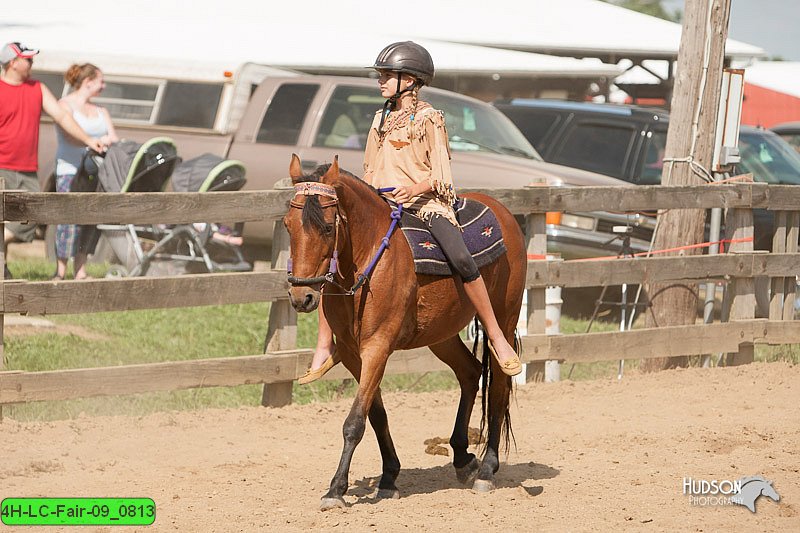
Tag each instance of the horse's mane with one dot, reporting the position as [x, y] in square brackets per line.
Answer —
[312, 210]
[745, 480]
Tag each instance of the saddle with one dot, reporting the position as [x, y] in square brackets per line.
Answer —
[481, 234]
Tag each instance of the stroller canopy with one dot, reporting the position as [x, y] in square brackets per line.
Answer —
[133, 167]
[209, 173]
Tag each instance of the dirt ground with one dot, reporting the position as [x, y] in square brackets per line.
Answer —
[590, 456]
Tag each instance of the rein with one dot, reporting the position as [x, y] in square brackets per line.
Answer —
[314, 188]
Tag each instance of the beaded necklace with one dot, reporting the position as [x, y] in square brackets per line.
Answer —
[398, 119]
[395, 120]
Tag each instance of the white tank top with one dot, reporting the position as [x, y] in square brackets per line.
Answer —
[68, 154]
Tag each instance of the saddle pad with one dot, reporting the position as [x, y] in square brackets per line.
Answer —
[481, 234]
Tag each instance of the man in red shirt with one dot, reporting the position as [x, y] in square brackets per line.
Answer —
[22, 100]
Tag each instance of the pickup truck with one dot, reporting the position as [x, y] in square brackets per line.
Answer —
[628, 142]
[318, 117]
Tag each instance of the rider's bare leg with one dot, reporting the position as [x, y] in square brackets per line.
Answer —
[323, 359]
[476, 291]
[325, 345]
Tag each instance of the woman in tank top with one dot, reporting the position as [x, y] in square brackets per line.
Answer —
[87, 82]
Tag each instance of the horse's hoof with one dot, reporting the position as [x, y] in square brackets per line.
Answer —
[483, 485]
[326, 504]
[467, 473]
[388, 494]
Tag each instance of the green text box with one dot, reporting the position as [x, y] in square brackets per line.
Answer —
[78, 511]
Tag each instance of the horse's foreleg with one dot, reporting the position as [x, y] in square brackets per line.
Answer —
[353, 432]
[391, 463]
[467, 369]
[372, 368]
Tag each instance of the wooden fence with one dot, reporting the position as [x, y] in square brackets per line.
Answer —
[282, 363]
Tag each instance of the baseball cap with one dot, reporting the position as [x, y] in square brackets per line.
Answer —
[14, 50]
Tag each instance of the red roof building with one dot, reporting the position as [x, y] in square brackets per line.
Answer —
[771, 93]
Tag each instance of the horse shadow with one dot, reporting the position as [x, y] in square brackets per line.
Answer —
[430, 480]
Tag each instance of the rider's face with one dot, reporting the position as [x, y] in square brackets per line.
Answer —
[388, 82]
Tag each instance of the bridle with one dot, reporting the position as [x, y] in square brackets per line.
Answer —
[307, 189]
[315, 188]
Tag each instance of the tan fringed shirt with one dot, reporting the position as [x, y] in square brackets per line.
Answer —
[404, 155]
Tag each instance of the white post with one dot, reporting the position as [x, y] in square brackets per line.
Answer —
[552, 310]
[552, 317]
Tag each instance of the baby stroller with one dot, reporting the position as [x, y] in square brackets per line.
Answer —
[214, 247]
[132, 167]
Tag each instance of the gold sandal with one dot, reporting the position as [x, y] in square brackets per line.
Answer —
[512, 367]
[315, 374]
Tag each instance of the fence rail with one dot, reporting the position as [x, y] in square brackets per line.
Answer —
[281, 364]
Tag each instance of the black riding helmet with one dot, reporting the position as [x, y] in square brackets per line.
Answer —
[405, 57]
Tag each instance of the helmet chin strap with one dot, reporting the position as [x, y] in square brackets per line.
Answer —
[391, 103]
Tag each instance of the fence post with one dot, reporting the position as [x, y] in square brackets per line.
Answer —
[790, 287]
[282, 329]
[536, 240]
[741, 290]
[778, 283]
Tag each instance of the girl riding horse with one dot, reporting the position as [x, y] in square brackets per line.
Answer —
[408, 150]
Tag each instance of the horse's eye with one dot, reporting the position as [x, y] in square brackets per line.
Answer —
[328, 229]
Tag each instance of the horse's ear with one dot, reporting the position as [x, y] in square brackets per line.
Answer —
[333, 171]
[295, 168]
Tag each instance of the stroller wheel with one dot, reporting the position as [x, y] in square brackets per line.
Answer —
[117, 271]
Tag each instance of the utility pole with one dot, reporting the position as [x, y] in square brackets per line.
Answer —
[688, 154]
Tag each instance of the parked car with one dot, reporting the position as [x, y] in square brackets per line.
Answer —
[789, 132]
[318, 117]
[627, 142]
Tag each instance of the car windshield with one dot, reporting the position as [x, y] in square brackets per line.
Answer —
[472, 126]
[770, 159]
[480, 128]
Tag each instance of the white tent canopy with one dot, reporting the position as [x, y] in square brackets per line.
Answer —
[780, 76]
[579, 27]
[249, 32]
[183, 52]
[548, 26]
[349, 33]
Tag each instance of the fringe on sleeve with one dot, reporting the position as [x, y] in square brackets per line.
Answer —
[441, 177]
[433, 134]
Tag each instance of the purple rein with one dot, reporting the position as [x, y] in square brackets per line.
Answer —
[314, 188]
[396, 214]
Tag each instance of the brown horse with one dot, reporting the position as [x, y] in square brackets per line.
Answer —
[397, 309]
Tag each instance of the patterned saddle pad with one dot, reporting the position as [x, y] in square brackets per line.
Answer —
[481, 234]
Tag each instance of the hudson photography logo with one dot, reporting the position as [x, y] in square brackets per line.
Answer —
[722, 492]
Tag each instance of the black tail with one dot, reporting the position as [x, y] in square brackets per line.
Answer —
[487, 375]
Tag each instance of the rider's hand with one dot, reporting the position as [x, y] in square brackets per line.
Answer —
[403, 195]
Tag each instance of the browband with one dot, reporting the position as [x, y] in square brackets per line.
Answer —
[310, 188]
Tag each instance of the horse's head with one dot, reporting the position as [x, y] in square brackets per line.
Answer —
[769, 491]
[314, 224]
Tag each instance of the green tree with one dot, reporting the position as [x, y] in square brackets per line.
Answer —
[649, 7]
